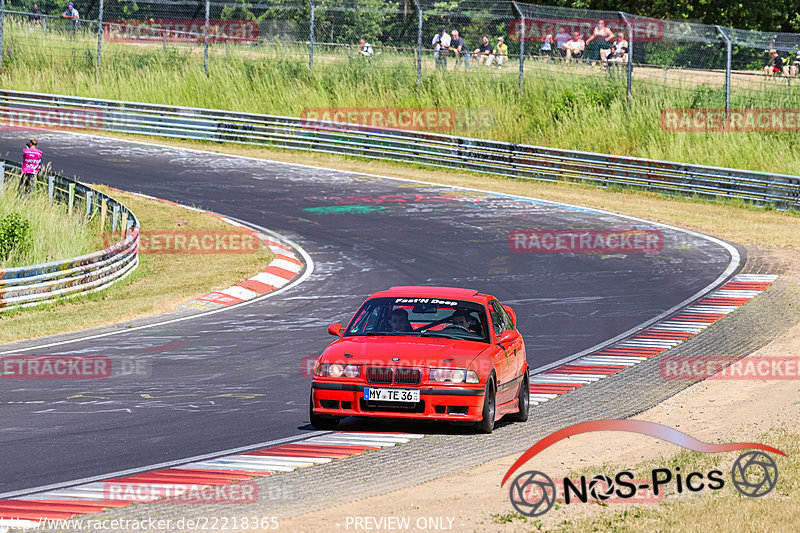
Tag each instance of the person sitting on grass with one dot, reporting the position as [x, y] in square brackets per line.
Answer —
[484, 52]
[776, 66]
[794, 70]
[500, 53]
[574, 47]
[619, 50]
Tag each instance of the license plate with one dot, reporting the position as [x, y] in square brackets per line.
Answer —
[391, 395]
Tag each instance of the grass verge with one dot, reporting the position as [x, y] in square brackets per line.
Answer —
[162, 281]
[53, 233]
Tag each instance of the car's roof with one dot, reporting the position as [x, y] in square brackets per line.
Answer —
[434, 292]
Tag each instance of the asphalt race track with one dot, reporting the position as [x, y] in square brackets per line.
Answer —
[234, 378]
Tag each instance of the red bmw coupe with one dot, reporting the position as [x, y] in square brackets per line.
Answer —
[433, 353]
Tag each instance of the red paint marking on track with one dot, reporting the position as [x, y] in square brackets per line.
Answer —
[288, 258]
[256, 286]
[280, 272]
[18, 514]
[48, 505]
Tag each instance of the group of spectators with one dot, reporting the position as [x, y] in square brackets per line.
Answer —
[603, 45]
[36, 16]
[777, 66]
[445, 45]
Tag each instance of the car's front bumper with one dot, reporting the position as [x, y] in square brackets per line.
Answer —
[436, 403]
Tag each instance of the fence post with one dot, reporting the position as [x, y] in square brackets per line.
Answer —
[2, 175]
[205, 38]
[51, 187]
[2, 28]
[521, 45]
[630, 56]
[115, 217]
[419, 42]
[311, 37]
[71, 198]
[88, 204]
[728, 52]
[44, 26]
[99, 36]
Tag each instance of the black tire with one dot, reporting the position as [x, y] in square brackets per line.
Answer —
[486, 425]
[523, 400]
[321, 421]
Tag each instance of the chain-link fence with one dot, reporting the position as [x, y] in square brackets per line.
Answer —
[721, 66]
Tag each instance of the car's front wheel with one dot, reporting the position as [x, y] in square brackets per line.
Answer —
[321, 421]
[486, 425]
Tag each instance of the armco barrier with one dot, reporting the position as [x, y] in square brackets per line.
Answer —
[23, 109]
[33, 285]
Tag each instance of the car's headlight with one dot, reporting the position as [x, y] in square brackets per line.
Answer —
[453, 375]
[336, 370]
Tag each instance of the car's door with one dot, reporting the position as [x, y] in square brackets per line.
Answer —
[506, 387]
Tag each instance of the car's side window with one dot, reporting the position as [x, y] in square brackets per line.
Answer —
[498, 318]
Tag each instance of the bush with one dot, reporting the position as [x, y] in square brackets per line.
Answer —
[15, 234]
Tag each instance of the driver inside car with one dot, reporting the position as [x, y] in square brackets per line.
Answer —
[399, 321]
[462, 319]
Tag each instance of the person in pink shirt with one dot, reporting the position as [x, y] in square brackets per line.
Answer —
[31, 163]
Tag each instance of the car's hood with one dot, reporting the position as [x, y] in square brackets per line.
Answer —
[409, 351]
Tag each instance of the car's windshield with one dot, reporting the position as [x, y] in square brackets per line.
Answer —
[421, 317]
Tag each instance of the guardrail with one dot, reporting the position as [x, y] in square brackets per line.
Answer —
[25, 109]
[37, 284]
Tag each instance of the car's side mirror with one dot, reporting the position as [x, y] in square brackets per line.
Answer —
[508, 335]
[511, 313]
[336, 329]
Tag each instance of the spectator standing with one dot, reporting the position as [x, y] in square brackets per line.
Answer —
[36, 16]
[546, 48]
[72, 14]
[619, 49]
[441, 46]
[561, 37]
[500, 53]
[31, 163]
[484, 52]
[366, 48]
[775, 67]
[600, 43]
[460, 49]
[574, 47]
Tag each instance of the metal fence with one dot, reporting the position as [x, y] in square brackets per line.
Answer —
[491, 157]
[37, 284]
[727, 63]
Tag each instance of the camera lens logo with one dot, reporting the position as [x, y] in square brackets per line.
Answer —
[532, 493]
[754, 474]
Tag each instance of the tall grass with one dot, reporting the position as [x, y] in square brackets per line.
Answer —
[55, 234]
[576, 107]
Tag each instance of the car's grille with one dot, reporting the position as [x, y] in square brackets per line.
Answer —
[379, 375]
[407, 376]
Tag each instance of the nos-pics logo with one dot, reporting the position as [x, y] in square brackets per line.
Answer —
[533, 493]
